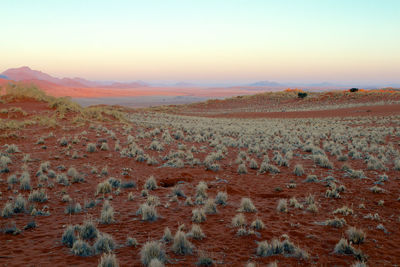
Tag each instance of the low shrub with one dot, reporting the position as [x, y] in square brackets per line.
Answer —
[81, 248]
[104, 244]
[181, 245]
[108, 260]
[198, 215]
[152, 250]
[246, 205]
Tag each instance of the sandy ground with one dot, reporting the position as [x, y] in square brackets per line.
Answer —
[42, 246]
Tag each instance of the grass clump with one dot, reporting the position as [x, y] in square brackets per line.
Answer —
[81, 248]
[221, 198]
[196, 232]
[311, 179]
[312, 208]
[30, 225]
[12, 179]
[71, 208]
[242, 169]
[246, 205]
[107, 213]
[108, 260]
[38, 196]
[104, 244]
[75, 176]
[343, 247]
[198, 216]
[104, 146]
[359, 264]
[19, 204]
[25, 181]
[156, 263]
[152, 250]
[132, 242]
[356, 236]
[88, 230]
[8, 210]
[62, 179]
[68, 237]
[204, 259]
[103, 188]
[63, 141]
[148, 212]
[210, 207]
[322, 161]
[276, 247]
[91, 147]
[344, 211]
[257, 224]
[282, 205]
[11, 149]
[181, 245]
[376, 189]
[239, 220]
[201, 190]
[293, 202]
[336, 222]
[151, 183]
[4, 161]
[298, 170]
[177, 191]
[11, 228]
[167, 237]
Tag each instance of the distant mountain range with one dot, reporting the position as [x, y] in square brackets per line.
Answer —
[44, 79]
[27, 74]
[266, 83]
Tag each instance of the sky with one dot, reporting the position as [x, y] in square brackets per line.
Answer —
[205, 41]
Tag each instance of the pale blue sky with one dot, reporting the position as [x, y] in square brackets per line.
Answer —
[205, 41]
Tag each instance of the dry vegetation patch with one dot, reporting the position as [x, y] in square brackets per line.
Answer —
[118, 186]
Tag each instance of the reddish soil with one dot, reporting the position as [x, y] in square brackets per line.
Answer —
[42, 246]
[382, 110]
[286, 104]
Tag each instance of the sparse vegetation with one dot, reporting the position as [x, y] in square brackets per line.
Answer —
[151, 183]
[104, 243]
[239, 220]
[107, 213]
[196, 232]
[275, 247]
[298, 170]
[81, 248]
[345, 166]
[108, 260]
[198, 215]
[246, 205]
[181, 245]
[152, 250]
[221, 198]
[356, 236]
[282, 205]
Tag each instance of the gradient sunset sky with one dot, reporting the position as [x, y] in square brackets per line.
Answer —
[205, 41]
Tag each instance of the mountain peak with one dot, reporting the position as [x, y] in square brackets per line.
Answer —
[265, 83]
[24, 68]
[25, 73]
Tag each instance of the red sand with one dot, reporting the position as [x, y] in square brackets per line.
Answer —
[382, 110]
[42, 246]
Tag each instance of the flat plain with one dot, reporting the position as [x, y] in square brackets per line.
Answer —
[254, 180]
